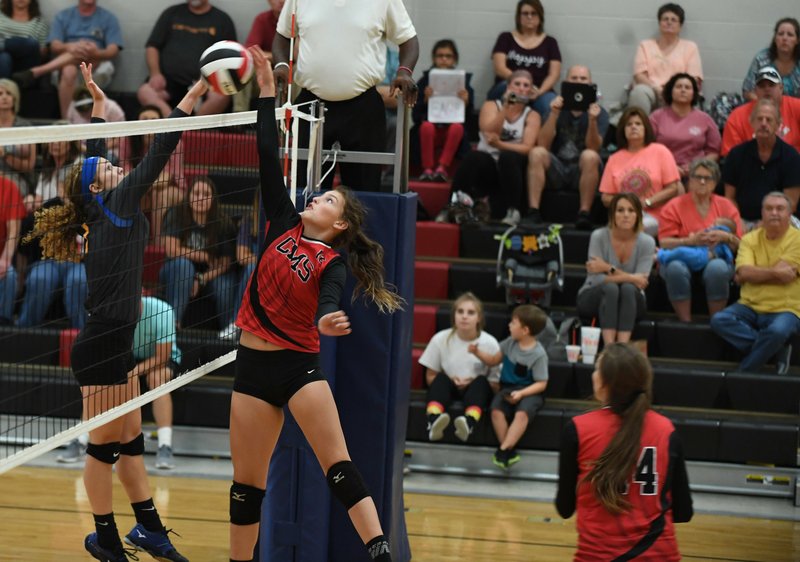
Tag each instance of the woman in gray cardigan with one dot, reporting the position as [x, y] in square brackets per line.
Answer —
[619, 263]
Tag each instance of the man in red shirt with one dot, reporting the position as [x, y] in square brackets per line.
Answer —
[12, 211]
[262, 33]
[768, 85]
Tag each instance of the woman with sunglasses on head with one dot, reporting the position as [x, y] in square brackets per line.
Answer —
[101, 204]
[622, 467]
[292, 298]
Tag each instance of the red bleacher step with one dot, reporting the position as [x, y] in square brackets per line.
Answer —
[65, 340]
[424, 323]
[431, 279]
[438, 239]
[434, 196]
[417, 370]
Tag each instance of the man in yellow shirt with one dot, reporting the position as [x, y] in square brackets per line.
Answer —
[768, 269]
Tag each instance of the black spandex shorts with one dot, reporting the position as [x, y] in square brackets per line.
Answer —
[102, 352]
[274, 376]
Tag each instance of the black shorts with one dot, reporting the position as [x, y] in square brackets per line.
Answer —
[102, 353]
[274, 376]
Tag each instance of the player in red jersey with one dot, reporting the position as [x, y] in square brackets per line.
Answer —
[292, 297]
[625, 464]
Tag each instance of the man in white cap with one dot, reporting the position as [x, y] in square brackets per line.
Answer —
[769, 85]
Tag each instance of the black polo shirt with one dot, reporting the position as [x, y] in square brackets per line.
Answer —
[753, 179]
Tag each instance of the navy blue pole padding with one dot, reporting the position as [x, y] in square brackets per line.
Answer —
[369, 372]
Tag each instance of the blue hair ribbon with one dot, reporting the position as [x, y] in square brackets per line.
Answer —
[88, 174]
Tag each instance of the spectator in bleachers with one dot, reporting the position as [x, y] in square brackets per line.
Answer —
[442, 138]
[248, 243]
[567, 154]
[158, 359]
[769, 85]
[200, 245]
[452, 372]
[529, 48]
[80, 108]
[767, 268]
[687, 220]
[262, 33]
[44, 277]
[618, 270]
[508, 130]
[759, 166]
[659, 59]
[16, 160]
[689, 133]
[170, 187]
[523, 380]
[783, 54]
[642, 167]
[24, 36]
[12, 211]
[83, 33]
[181, 34]
[341, 61]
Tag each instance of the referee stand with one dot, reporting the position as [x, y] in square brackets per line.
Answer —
[369, 374]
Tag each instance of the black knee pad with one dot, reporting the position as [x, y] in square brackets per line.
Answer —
[107, 452]
[133, 447]
[245, 504]
[346, 483]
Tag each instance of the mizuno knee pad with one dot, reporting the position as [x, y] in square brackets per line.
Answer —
[346, 483]
[245, 502]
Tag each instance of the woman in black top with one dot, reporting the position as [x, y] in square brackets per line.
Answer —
[102, 206]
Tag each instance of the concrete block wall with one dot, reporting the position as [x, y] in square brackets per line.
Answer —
[603, 34]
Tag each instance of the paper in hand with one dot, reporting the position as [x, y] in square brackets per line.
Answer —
[444, 106]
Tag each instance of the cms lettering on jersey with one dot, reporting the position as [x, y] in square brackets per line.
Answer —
[300, 264]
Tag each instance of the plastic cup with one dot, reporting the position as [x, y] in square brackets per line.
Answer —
[573, 353]
[590, 341]
[588, 359]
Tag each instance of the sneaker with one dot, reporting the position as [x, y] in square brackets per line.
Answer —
[500, 458]
[230, 332]
[117, 555]
[436, 425]
[463, 427]
[443, 216]
[75, 451]
[512, 458]
[584, 221]
[512, 217]
[156, 544]
[426, 175]
[532, 218]
[440, 175]
[164, 458]
[23, 78]
[782, 359]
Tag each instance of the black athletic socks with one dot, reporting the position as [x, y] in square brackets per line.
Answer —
[378, 549]
[107, 534]
[147, 515]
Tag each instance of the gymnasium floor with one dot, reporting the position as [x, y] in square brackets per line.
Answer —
[44, 515]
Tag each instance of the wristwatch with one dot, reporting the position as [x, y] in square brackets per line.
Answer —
[648, 203]
[612, 270]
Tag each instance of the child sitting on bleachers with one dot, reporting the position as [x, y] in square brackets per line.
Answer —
[523, 380]
[697, 257]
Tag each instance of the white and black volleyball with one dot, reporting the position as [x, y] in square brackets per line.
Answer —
[226, 66]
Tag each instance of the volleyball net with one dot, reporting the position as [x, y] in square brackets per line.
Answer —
[203, 212]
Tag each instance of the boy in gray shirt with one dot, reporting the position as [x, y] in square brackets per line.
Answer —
[523, 379]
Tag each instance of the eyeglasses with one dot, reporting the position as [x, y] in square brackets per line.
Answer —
[444, 55]
[702, 178]
[526, 14]
[670, 19]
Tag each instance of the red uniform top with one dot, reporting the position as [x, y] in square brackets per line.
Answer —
[646, 531]
[295, 277]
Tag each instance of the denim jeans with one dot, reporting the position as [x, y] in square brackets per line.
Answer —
[19, 53]
[716, 276]
[8, 290]
[177, 278]
[759, 336]
[44, 279]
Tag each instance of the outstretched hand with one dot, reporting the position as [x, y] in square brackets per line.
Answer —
[91, 85]
[334, 324]
[263, 69]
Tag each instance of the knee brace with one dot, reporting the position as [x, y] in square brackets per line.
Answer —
[107, 453]
[346, 483]
[245, 508]
[133, 447]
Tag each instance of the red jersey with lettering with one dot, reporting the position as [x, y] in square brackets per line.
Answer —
[646, 531]
[282, 297]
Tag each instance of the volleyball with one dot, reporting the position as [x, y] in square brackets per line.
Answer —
[226, 66]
